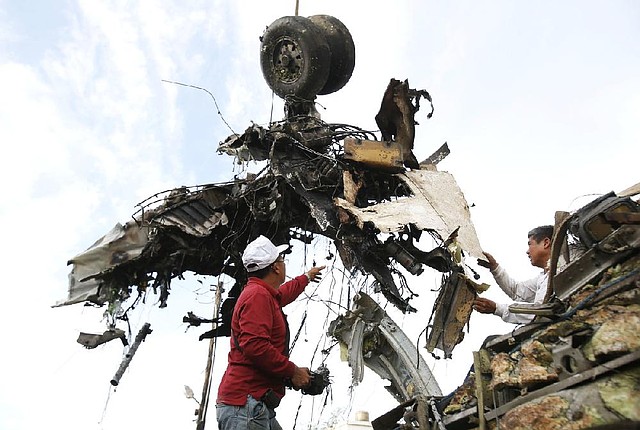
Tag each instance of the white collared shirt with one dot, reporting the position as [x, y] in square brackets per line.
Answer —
[530, 291]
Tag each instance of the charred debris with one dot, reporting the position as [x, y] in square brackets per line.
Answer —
[577, 364]
[368, 194]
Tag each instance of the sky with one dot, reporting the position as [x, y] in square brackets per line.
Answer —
[539, 103]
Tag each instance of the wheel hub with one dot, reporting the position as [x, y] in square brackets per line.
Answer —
[288, 61]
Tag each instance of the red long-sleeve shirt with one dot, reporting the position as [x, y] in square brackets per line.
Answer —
[259, 327]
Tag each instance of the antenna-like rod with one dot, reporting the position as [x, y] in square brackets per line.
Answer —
[142, 334]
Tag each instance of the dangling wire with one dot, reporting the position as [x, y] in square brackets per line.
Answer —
[271, 114]
[106, 404]
[210, 94]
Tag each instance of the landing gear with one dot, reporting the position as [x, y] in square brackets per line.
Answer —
[343, 52]
[304, 57]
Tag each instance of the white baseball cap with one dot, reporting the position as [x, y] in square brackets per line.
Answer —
[260, 253]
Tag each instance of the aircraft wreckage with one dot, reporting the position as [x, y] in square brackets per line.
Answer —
[374, 200]
[577, 364]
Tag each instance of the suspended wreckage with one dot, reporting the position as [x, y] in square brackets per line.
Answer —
[575, 366]
[370, 196]
[334, 180]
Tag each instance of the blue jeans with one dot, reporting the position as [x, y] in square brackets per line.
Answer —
[254, 415]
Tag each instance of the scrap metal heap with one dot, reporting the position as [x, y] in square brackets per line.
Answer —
[577, 365]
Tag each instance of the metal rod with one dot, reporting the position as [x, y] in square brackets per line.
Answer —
[142, 334]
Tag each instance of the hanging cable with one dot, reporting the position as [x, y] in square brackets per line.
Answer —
[206, 91]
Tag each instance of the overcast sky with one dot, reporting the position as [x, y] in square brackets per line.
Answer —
[538, 101]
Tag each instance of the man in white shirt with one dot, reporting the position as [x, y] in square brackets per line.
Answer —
[530, 291]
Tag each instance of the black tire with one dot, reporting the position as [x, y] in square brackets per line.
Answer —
[343, 51]
[294, 57]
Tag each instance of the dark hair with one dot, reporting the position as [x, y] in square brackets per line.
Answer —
[261, 273]
[540, 233]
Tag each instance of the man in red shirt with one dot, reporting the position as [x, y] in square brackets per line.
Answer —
[254, 382]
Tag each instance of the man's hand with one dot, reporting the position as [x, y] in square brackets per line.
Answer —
[491, 262]
[301, 378]
[484, 306]
[314, 273]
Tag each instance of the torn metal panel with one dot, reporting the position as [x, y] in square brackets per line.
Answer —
[120, 245]
[90, 340]
[375, 339]
[436, 203]
[439, 155]
[355, 355]
[452, 311]
[195, 216]
[396, 117]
